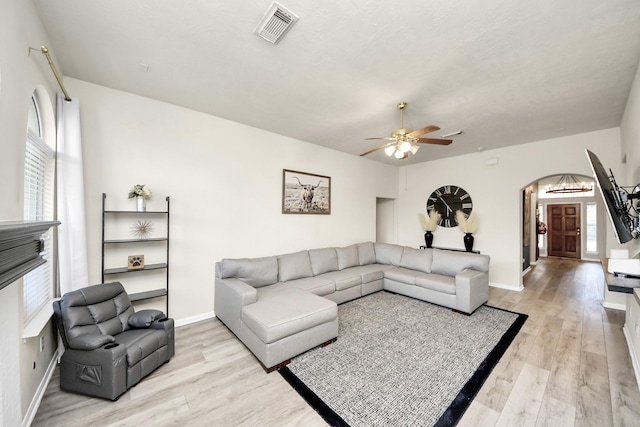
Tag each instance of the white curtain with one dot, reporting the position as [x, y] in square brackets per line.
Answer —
[72, 239]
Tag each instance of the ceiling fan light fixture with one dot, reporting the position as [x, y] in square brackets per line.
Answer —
[389, 150]
[406, 140]
[405, 146]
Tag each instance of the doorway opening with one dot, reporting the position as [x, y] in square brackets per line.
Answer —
[385, 220]
[578, 234]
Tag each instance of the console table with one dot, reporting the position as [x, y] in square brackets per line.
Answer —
[450, 249]
[618, 283]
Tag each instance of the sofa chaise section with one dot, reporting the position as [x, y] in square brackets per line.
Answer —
[276, 321]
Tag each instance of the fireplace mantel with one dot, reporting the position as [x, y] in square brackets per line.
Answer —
[20, 248]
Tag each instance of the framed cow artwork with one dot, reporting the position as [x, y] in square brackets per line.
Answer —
[305, 193]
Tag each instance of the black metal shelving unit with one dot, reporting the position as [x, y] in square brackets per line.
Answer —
[157, 292]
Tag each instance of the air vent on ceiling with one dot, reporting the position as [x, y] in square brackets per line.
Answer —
[275, 23]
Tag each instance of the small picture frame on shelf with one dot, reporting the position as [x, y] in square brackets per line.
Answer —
[136, 262]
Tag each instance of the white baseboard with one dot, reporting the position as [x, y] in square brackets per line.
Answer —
[518, 288]
[526, 270]
[42, 387]
[193, 319]
[614, 306]
[632, 353]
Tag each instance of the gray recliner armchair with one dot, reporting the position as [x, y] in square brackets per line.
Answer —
[109, 347]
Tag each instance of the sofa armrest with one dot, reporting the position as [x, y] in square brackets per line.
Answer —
[472, 289]
[230, 296]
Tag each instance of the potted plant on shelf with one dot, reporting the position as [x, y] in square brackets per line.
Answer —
[468, 225]
[429, 224]
[141, 194]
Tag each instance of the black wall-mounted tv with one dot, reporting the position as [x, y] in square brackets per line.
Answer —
[616, 209]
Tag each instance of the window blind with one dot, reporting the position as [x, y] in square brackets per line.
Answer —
[38, 206]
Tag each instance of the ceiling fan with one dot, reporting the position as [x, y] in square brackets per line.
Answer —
[405, 140]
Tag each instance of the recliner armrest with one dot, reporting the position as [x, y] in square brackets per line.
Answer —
[166, 324]
[90, 341]
[144, 318]
[101, 372]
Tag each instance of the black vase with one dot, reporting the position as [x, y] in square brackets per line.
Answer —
[468, 242]
[428, 238]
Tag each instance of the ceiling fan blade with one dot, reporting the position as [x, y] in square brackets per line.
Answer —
[378, 148]
[422, 131]
[388, 139]
[434, 141]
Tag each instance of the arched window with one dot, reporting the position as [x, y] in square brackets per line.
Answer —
[38, 206]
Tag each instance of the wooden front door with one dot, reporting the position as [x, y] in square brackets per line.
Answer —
[564, 230]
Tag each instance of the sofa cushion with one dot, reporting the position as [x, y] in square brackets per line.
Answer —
[282, 311]
[323, 260]
[388, 254]
[295, 265]
[319, 285]
[366, 253]
[344, 279]
[98, 309]
[437, 282]
[140, 343]
[348, 257]
[371, 272]
[450, 263]
[402, 275]
[416, 259]
[253, 271]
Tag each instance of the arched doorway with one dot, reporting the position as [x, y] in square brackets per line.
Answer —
[561, 223]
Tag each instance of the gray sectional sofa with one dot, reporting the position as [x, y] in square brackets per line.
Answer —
[284, 305]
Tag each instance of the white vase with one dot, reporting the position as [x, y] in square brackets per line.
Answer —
[141, 204]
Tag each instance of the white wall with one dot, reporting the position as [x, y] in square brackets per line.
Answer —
[496, 192]
[20, 75]
[630, 136]
[225, 183]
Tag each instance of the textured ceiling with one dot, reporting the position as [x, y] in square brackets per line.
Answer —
[504, 72]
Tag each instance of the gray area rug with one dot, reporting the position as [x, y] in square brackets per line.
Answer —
[402, 362]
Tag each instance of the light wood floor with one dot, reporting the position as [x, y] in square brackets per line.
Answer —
[568, 366]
